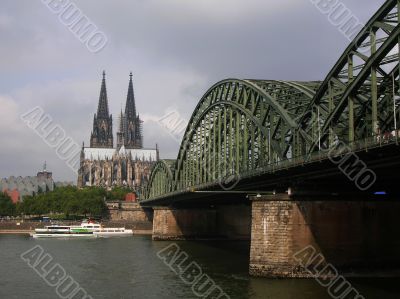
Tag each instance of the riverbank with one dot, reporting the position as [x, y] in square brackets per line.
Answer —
[16, 232]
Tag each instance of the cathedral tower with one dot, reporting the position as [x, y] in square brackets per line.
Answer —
[127, 165]
[133, 125]
[102, 134]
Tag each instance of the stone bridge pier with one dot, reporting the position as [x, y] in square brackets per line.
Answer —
[301, 236]
[213, 222]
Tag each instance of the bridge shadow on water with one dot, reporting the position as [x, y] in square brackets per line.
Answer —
[226, 262]
[360, 238]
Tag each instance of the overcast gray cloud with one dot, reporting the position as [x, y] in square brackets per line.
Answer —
[176, 49]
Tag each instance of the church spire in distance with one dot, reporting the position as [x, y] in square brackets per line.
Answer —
[102, 135]
[102, 109]
[133, 125]
[130, 107]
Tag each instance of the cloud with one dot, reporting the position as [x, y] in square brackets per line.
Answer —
[8, 112]
[176, 49]
[5, 21]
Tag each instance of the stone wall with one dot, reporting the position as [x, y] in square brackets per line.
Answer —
[23, 225]
[132, 214]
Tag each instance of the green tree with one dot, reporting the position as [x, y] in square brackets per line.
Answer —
[7, 207]
[118, 194]
[70, 201]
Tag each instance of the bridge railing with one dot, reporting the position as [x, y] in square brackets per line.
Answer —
[323, 154]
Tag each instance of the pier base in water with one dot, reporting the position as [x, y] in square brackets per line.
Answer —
[225, 222]
[298, 237]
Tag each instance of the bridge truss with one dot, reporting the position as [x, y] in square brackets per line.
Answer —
[242, 126]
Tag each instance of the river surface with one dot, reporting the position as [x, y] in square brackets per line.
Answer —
[129, 268]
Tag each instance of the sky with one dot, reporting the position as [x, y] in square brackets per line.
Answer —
[176, 50]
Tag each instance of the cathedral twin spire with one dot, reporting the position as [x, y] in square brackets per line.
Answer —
[130, 127]
[102, 136]
[130, 107]
[131, 123]
[102, 109]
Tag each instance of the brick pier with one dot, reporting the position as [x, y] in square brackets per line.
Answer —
[219, 222]
[354, 236]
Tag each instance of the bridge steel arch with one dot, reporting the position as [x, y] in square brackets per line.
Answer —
[237, 127]
[240, 126]
[355, 99]
[161, 179]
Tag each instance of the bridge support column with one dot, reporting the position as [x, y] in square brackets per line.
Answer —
[278, 231]
[225, 222]
[182, 224]
[355, 236]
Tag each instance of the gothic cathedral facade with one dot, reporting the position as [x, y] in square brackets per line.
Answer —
[128, 164]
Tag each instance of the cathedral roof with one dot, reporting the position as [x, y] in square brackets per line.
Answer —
[108, 153]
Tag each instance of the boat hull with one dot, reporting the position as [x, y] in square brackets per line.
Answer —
[85, 230]
[63, 236]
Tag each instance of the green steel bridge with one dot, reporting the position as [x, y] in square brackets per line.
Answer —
[253, 130]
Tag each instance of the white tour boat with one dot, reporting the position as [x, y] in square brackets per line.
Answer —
[88, 229]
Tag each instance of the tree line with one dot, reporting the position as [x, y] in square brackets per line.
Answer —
[68, 201]
[7, 208]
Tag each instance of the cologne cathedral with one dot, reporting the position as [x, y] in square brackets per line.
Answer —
[128, 164]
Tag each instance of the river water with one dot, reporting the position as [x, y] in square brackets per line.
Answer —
[129, 268]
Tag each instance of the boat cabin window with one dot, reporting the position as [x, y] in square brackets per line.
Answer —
[57, 227]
